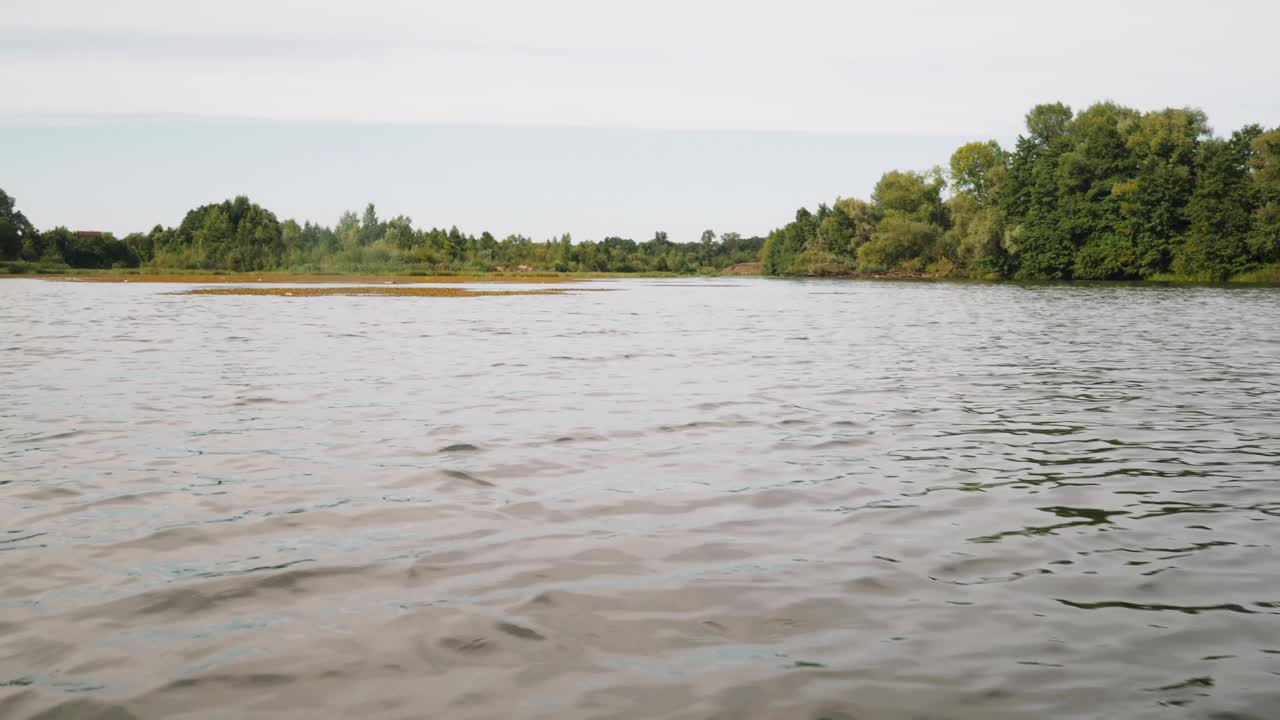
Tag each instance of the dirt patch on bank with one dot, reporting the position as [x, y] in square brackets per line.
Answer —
[305, 278]
[381, 291]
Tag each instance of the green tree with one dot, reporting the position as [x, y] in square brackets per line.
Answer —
[782, 250]
[1264, 167]
[1049, 122]
[347, 231]
[232, 235]
[91, 250]
[371, 229]
[708, 241]
[915, 196]
[15, 230]
[141, 246]
[1060, 186]
[979, 168]
[1151, 212]
[1220, 210]
[564, 254]
[976, 239]
[899, 243]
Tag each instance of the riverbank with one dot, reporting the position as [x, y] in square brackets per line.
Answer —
[1267, 275]
[143, 276]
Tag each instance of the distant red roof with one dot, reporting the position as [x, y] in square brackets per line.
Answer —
[86, 234]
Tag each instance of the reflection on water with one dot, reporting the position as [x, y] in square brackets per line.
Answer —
[731, 500]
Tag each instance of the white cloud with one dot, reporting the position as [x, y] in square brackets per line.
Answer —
[811, 65]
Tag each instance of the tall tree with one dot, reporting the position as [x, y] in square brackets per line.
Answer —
[15, 229]
[1220, 210]
[979, 168]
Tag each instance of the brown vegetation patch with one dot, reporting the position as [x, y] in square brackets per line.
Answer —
[277, 277]
[397, 291]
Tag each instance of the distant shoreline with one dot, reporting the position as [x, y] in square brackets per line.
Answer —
[1267, 277]
[125, 276]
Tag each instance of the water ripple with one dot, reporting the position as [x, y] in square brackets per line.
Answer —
[812, 499]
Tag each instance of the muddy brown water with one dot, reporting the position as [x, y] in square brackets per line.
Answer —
[768, 500]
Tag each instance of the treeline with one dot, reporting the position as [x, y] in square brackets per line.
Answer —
[237, 235]
[19, 240]
[1110, 193]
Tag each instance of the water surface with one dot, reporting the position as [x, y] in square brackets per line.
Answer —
[683, 499]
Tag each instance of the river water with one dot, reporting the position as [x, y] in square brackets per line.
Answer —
[736, 498]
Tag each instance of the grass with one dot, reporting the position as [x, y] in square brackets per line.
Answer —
[1267, 274]
[23, 268]
[1171, 277]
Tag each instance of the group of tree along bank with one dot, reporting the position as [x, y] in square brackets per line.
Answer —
[1109, 193]
[237, 235]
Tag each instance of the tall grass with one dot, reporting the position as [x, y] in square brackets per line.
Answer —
[1267, 274]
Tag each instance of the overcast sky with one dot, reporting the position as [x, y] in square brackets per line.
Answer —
[718, 111]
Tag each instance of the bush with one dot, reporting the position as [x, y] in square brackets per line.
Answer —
[1109, 257]
[897, 239]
